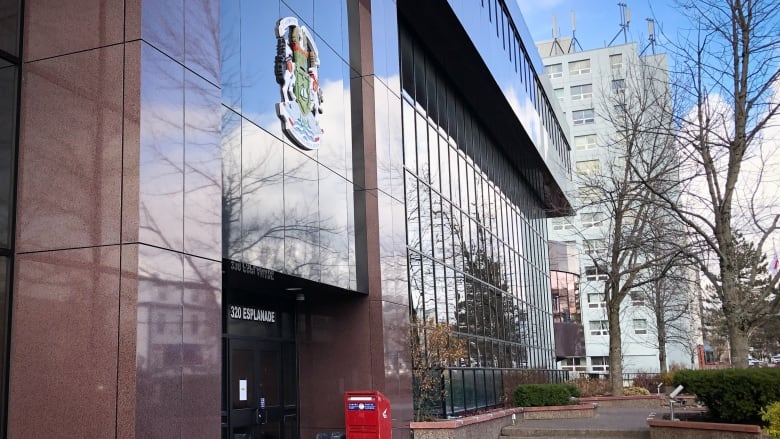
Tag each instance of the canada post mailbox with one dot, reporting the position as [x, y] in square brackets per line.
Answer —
[367, 415]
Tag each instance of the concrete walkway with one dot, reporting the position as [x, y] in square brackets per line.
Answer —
[612, 422]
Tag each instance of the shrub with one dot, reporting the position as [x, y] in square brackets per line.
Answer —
[538, 395]
[573, 390]
[635, 391]
[733, 395]
[591, 387]
[648, 381]
[668, 378]
[771, 416]
[514, 378]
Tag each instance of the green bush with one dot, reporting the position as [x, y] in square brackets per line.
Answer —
[771, 416]
[538, 395]
[733, 395]
[573, 390]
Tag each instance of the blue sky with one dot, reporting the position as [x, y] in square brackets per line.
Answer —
[598, 21]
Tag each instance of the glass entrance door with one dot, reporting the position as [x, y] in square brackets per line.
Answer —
[262, 389]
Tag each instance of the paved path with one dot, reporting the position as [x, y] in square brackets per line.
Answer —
[628, 418]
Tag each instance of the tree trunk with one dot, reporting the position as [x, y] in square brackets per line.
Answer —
[739, 346]
[732, 302]
[615, 348]
[661, 333]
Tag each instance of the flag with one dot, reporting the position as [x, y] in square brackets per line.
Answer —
[774, 264]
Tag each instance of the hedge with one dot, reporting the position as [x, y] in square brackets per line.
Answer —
[733, 395]
[538, 395]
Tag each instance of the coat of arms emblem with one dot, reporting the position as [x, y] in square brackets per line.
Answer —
[295, 66]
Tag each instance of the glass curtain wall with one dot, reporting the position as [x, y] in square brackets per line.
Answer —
[10, 61]
[476, 241]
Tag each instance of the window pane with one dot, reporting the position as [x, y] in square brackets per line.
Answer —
[582, 117]
[588, 167]
[558, 93]
[616, 61]
[585, 142]
[7, 147]
[579, 67]
[579, 92]
[554, 70]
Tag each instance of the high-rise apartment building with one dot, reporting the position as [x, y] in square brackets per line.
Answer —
[587, 86]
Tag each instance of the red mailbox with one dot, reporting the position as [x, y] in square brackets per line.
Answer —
[367, 415]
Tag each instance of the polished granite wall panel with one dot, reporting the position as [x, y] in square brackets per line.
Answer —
[70, 151]
[159, 349]
[64, 344]
[106, 131]
[398, 376]
[333, 340]
[54, 28]
[202, 348]
[126, 354]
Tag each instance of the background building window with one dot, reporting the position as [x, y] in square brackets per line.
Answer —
[640, 326]
[588, 167]
[554, 71]
[591, 219]
[596, 248]
[562, 224]
[594, 273]
[599, 327]
[580, 92]
[558, 93]
[596, 300]
[579, 67]
[637, 298]
[582, 117]
[618, 85]
[575, 364]
[585, 142]
[599, 364]
[616, 61]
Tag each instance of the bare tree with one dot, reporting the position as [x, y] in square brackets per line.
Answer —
[615, 197]
[669, 300]
[726, 68]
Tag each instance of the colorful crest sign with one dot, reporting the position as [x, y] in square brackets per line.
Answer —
[296, 68]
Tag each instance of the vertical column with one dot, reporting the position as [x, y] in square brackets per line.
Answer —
[64, 339]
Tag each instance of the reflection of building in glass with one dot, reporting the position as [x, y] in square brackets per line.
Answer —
[183, 268]
[567, 315]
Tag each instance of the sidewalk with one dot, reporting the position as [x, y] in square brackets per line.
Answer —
[607, 418]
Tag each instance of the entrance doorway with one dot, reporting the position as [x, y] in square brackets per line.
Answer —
[259, 362]
[262, 389]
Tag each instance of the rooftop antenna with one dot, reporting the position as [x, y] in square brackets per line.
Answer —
[574, 43]
[650, 37]
[625, 20]
[556, 43]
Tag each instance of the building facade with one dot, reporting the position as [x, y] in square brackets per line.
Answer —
[226, 214]
[588, 85]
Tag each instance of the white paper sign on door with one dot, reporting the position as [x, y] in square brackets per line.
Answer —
[242, 390]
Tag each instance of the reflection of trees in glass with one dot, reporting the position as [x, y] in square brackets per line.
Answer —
[276, 207]
[487, 309]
